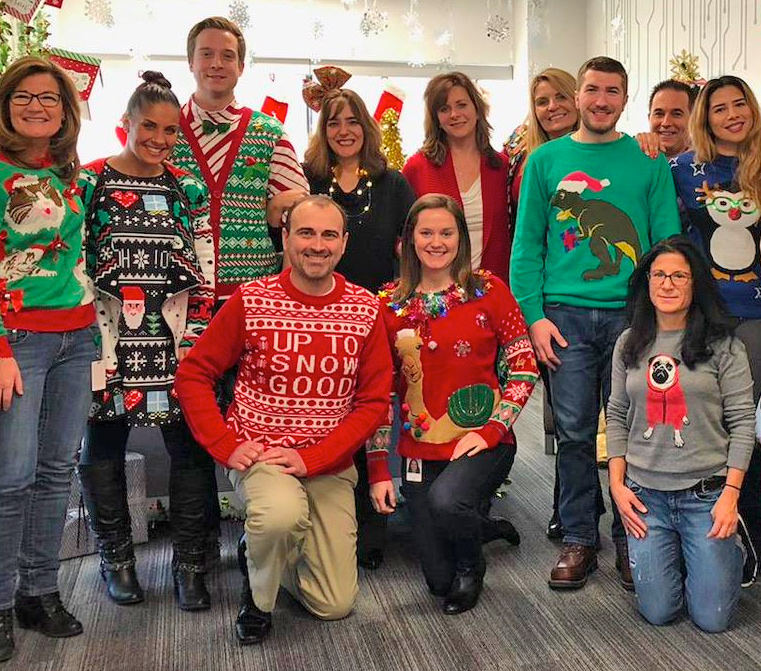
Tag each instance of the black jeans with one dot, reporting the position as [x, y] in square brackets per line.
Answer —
[446, 511]
[192, 480]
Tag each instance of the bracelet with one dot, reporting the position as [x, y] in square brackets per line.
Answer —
[726, 484]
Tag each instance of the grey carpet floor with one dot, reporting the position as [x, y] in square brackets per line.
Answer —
[519, 623]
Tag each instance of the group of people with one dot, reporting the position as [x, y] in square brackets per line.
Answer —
[145, 289]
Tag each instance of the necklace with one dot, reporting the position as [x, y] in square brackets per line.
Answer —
[419, 309]
[356, 203]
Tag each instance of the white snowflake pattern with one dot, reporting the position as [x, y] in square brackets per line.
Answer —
[160, 360]
[140, 258]
[519, 392]
[136, 361]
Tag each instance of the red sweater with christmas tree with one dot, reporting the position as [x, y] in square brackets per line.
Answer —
[314, 372]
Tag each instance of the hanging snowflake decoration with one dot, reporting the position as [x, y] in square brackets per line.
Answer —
[444, 38]
[100, 11]
[411, 18]
[373, 22]
[348, 4]
[238, 14]
[318, 29]
[497, 28]
[416, 33]
[445, 64]
[618, 29]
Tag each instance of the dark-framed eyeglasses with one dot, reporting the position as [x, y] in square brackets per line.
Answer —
[678, 278]
[46, 99]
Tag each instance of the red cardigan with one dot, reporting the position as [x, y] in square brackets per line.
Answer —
[425, 177]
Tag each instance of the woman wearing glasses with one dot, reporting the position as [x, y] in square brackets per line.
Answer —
[46, 341]
[719, 186]
[680, 435]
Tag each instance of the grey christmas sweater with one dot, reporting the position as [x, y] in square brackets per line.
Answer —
[674, 425]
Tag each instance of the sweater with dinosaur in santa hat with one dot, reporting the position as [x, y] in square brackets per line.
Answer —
[43, 285]
[587, 213]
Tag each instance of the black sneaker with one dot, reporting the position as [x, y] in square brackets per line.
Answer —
[750, 567]
[47, 615]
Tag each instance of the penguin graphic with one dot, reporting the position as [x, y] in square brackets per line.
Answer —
[734, 241]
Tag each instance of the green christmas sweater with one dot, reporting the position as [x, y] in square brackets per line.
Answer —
[260, 162]
[43, 283]
[586, 215]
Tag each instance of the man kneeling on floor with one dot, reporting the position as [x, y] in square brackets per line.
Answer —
[313, 384]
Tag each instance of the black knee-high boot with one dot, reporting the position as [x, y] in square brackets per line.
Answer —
[188, 496]
[104, 489]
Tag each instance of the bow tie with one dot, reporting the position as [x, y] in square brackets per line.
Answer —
[210, 127]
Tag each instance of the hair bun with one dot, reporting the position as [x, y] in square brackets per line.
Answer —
[157, 78]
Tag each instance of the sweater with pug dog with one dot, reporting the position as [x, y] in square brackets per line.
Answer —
[677, 425]
[43, 285]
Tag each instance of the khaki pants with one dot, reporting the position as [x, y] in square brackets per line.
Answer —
[301, 533]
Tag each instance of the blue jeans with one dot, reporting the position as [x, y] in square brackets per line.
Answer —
[677, 524]
[580, 386]
[39, 439]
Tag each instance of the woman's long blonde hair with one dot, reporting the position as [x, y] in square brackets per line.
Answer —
[63, 145]
[748, 174]
[563, 82]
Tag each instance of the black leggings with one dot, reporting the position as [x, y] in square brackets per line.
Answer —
[447, 514]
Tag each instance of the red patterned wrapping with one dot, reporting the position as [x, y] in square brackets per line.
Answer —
[275, 108]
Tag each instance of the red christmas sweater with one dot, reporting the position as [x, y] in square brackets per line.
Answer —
[447, 377]
[314, 372]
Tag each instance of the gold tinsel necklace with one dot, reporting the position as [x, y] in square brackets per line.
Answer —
[356, 203]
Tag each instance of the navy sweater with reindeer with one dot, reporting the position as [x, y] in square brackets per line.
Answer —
[677, 425]
[586, 214]
[43, 285]
[724, 223]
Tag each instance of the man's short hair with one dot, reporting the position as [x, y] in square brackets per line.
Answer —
[674, 85]
[319, 199]
[603, 64]
[218, 23]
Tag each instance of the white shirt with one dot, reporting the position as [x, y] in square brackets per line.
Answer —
[473, 206]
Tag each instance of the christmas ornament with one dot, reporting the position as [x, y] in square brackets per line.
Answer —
[444, 38]
[391, 139]
[23, 10]
[618, 28]
[100, 11]
[373, 22]
[684, 68]
[82, 69]
[318, 29]
[238, 13]
[497, 28]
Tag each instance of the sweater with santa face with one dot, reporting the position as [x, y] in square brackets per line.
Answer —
[677, 425]
[723, 221]
[314, 372]
[586, 215]
[43, 284]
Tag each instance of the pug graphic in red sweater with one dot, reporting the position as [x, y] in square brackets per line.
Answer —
[665, 399]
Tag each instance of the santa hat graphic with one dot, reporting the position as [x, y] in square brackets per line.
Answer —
[132, 294]
[579, 181]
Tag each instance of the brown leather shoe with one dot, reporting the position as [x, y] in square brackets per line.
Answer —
[573, 566]
[622, 564]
